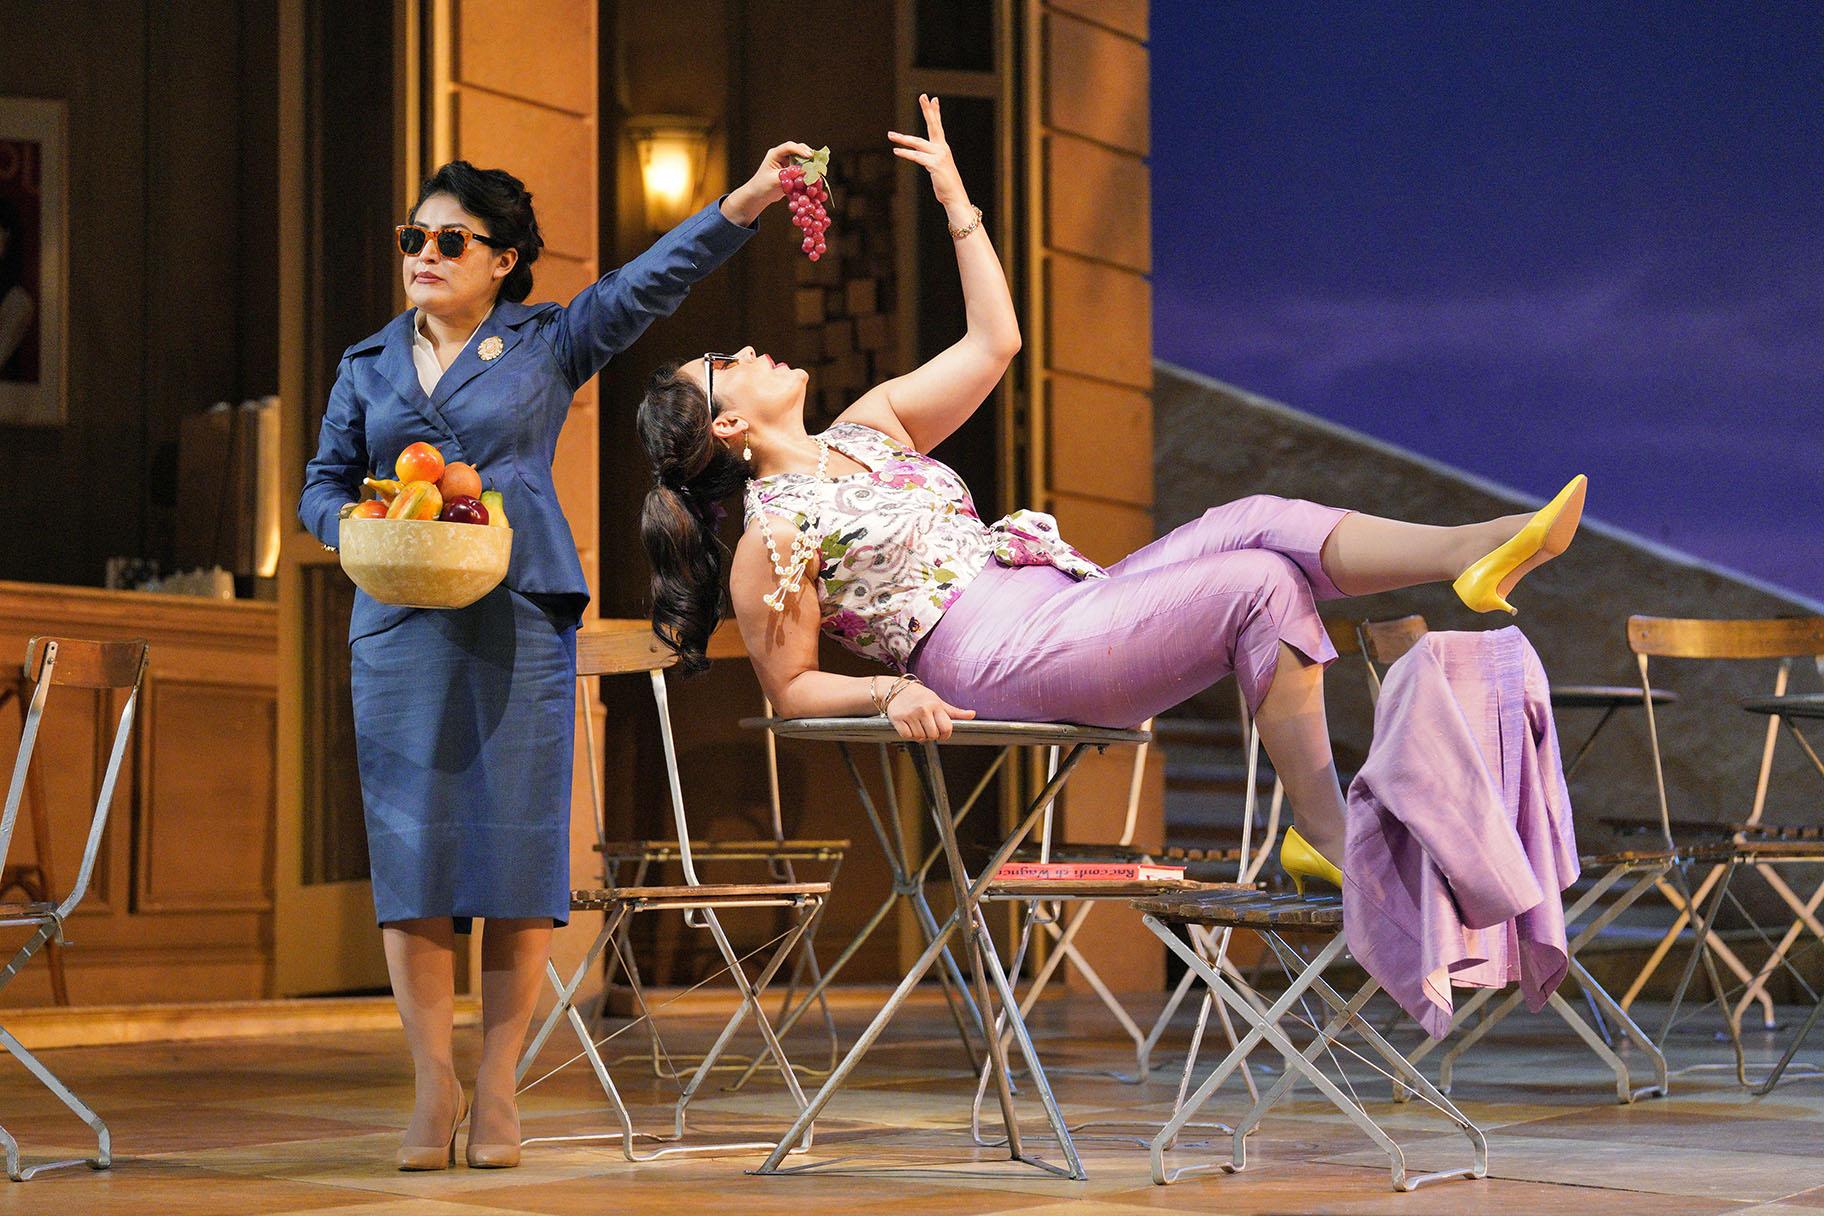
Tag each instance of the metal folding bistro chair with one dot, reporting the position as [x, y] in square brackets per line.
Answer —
[109, 668]
[1248, 859]
[1273, 917]
[1047, 915]
[779, 853]
[968, 890]
[1043, 910]
[1763, 849]
[610, 648]
[1790, 709]
[1382, 643]
[33, 879]
[1044, 902]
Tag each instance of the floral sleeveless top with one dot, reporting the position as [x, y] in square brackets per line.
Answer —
[897, 542]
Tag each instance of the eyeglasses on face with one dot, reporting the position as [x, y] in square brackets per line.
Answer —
[451, 242]
[710, 363]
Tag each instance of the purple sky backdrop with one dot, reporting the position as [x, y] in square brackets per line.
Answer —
[1527, 240]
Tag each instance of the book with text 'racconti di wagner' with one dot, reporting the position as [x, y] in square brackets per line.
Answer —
[1087, 871]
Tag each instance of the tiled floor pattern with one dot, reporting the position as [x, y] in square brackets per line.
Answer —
[308, 1125]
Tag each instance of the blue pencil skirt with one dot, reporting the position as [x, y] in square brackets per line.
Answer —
[464, 725]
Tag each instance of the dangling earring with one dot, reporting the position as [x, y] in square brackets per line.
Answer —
[747, 450]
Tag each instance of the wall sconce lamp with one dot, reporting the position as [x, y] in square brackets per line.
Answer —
[674, 150]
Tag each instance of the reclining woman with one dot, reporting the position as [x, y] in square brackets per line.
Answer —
[858, 533]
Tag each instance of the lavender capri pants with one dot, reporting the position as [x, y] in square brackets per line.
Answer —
[1218, 595]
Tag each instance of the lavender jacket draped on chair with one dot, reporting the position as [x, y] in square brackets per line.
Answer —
[1460, 838]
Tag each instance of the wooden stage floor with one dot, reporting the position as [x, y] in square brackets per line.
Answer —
[308, 1124]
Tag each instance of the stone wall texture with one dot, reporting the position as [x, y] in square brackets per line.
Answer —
[1215, 443]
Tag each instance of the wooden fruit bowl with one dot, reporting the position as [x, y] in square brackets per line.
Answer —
[425, 563]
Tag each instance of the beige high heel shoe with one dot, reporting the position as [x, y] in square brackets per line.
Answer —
[435, 1156]
[491, 1156]
[482, 1156]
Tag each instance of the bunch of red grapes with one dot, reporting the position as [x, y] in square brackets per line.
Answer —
[807, 188]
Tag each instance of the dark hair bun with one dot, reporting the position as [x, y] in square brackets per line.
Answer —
[502, 202]
[692, 473]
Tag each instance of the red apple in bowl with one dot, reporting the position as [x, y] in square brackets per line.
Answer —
[462, 509]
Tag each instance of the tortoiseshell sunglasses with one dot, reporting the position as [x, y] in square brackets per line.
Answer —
[451, 242]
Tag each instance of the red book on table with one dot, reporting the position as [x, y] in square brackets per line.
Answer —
[1087, 871]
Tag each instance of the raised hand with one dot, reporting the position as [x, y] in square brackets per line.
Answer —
[746, 201]
[933, 154]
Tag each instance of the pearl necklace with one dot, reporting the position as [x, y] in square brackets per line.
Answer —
[791, 574]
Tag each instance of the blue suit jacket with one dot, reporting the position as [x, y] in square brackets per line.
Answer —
[501, 415]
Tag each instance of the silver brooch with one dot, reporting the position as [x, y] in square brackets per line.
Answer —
[490, 348]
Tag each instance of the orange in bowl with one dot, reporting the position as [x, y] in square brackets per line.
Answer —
[419, 462]
[460, 480]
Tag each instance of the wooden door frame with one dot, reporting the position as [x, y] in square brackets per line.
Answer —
[323, 935]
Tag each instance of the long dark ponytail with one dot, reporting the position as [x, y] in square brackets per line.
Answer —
[692, 473]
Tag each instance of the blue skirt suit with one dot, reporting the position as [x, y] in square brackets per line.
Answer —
[464, 719]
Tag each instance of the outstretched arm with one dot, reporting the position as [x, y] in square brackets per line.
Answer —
[924, 406]
[783, 647]
[607, 316]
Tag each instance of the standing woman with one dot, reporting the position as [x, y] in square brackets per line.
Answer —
[464, 719]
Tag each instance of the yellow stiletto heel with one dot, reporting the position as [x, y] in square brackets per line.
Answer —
[1301, 862]
[1484, 586]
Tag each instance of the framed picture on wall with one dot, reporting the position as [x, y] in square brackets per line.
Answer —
[34, 260]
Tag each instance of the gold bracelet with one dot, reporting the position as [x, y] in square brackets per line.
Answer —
[957, 234]
[874, 695]
[899, 686]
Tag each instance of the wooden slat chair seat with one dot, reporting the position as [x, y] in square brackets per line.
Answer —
[773, 894]
[1754, 850]
[667, 851]
[628, 647]
[1682, 829]
[1088, 888]
[1230, 907]
[1216, 854]
[110, 668]
[1656, 855]
[1630, 871]
[1133, 854]
[1077, 851]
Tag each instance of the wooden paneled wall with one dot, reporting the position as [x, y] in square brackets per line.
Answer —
[180, 908]
[1089, 324]
[528, 102]
[171, 301]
